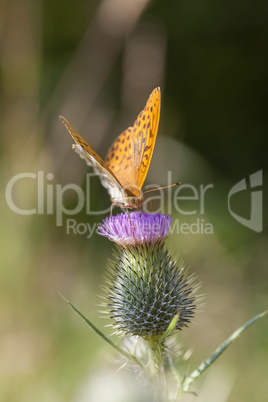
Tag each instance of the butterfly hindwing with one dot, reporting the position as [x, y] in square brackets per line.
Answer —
[120, 159]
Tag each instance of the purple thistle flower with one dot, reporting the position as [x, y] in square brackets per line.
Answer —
[146, 288]
[135, 228]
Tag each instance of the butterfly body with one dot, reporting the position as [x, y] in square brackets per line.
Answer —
[125, 167]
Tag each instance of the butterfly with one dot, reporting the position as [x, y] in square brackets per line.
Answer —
[127, 162]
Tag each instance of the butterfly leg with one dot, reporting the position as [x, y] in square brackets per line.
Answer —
[131, 225]
[111, 213]
[151, 205]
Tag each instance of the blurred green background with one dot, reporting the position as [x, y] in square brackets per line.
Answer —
[96, 62]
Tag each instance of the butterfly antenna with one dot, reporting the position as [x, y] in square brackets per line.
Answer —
[161, 188]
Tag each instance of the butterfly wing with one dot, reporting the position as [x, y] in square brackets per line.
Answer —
[145, 131]
[131, 153]
[86, 152]
[120, 159]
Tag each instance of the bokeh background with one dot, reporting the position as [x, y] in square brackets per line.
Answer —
[96, 62]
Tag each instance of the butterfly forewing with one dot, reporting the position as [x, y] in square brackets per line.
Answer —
[130, 155]
[145, 132]
[86, 152]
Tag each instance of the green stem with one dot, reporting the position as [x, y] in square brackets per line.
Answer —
[156, 355]
[155, 366]
[177, 375]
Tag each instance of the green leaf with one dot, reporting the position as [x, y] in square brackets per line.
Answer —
[102, 335]
[204, 365]
[171, 326]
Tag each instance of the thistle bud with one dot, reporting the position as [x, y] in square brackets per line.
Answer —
[147, 287]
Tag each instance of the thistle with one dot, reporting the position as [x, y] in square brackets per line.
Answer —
[150, 296]
[147, 289]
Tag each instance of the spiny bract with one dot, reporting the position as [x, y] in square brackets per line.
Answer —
[148, 289]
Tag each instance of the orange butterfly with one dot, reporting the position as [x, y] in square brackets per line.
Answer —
[126, 165]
